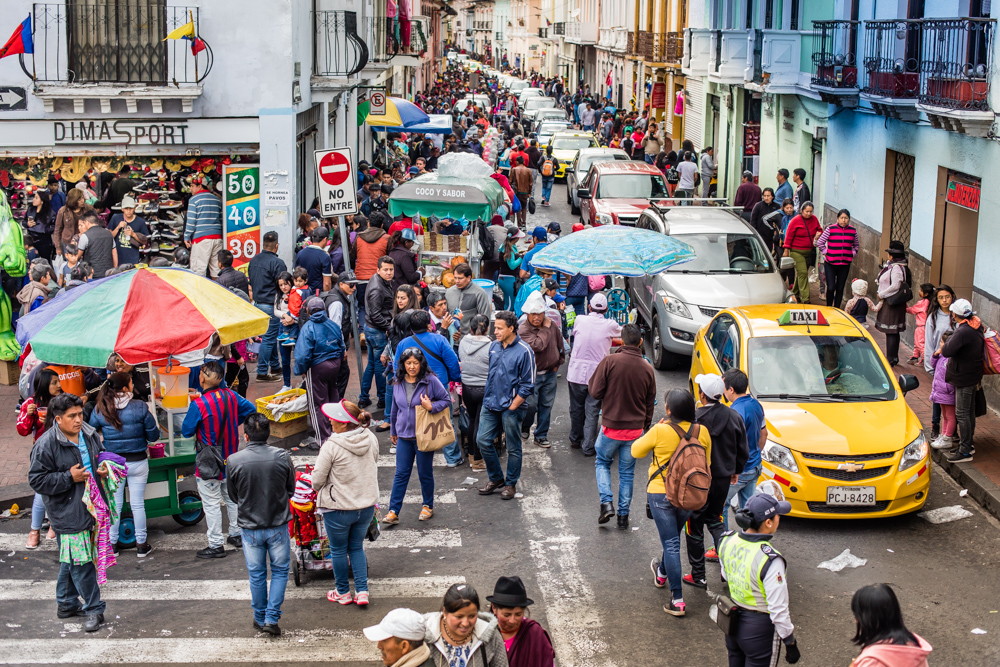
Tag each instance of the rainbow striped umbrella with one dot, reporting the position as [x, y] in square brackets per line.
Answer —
[143, 315]
[398, 113]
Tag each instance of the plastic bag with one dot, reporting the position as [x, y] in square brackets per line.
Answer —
[463, 165]
[845, 559]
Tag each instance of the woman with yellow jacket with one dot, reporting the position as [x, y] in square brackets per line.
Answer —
[662, 440]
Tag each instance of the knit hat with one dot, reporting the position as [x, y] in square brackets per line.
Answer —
[859, 287]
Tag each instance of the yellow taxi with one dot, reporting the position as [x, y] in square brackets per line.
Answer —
[841, 440]
[565, 146]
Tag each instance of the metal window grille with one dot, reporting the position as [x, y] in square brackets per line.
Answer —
[117, 40]
[794, 19]
[902, 199]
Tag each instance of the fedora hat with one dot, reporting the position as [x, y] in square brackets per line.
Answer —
[896, 248]
[510, 592]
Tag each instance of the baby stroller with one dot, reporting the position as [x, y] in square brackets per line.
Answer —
[309, 541]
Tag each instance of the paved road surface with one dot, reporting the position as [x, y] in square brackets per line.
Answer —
[591, 583]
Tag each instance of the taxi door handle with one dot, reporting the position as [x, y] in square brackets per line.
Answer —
[698, 353]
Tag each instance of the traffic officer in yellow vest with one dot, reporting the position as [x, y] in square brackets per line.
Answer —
[757, 581]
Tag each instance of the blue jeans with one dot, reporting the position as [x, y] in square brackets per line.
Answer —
[540, 402]
[490, 424]
[267, 359]
[76, 582]
[37, 512]
[346, 530]
[547, 182]
[376, 341]
[286, 364]
[259, 545]
[669, 520]
[359, 296]
[138, 473]
[745, 485]
[406, 452]
[606, 449]
[650, 159]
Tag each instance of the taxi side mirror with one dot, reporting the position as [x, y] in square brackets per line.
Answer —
[786, 263]
[908, 383]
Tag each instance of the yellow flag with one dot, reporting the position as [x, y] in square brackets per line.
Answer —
[186, 30]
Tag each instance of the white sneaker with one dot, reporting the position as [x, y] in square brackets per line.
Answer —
[943, 442]
[284, 389]
[392, 449]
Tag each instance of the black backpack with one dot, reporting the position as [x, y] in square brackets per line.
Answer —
[487, 241]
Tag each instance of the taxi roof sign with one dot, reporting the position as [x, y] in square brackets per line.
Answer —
[802, 317]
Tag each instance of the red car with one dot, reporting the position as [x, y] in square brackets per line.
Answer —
[615, 193]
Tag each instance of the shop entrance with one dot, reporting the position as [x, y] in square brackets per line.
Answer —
[956, 228]
[751, 132]
[897, 214]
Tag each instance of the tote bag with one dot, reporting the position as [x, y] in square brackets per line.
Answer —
[434, 430]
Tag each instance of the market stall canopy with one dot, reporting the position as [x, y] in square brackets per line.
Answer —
[444, 197]
[613, 250]
[438, 124]
[143, 315]
[398, 113]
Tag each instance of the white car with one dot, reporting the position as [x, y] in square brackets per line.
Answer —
[732, 268]
[576, 173]
[482, 101]
[546, 128]
[525, 93]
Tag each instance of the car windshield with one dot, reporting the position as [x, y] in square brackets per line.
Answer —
[533, 103]
[631, 186]
[552, 113]
[573, 143]
[548, 129]
[586, 161]
[724, 253]
[817, 368]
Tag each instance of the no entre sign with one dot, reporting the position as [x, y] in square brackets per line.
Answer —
[439, 193]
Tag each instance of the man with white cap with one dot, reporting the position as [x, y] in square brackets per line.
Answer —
[964, 351]
[400, 637]
[593, 334]
[729, 457]
[545, 339]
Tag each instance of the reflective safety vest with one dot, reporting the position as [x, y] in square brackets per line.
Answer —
[744, 562]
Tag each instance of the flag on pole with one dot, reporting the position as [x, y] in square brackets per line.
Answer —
[187, 32]
[607, 81]
[548, 23]
[20, 41]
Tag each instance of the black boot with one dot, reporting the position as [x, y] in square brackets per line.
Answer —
[935, 431]
[607, 511]
[623, 522]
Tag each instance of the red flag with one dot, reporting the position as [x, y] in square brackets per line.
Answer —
[20, 41]
[197, 46]
[607, 81]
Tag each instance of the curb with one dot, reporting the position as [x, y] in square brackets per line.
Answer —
[981, 489]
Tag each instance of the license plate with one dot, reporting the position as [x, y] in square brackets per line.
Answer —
[850, 495]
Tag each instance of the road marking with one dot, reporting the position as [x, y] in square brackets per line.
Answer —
[416, 498]
[392, 538]
[291, 647]
[384, 461]
[223, 589]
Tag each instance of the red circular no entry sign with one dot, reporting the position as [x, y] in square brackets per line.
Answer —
[334, 168]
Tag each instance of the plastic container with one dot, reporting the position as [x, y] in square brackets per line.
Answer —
[173, 384]
[157, 450]
[487, 285]
[288, 416]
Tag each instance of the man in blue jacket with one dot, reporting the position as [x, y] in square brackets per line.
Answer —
[318, 354]
[442, 361]
[511, 380]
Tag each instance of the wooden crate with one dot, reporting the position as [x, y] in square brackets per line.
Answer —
[289, 428]
[9, 372]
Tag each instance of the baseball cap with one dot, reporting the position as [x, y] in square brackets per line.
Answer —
[577, 226]
[315, 304]
[763, 506]
[711, 384]
[551, 283]
[962, 308]
[128, 202]
[409, 235]
[599, 302]
[347, 277]
[514, 232]
[400, 623]
[414, 170]
[555, 228]
[534, 304]
[540, 233]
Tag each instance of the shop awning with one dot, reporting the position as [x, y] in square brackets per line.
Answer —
[427, 195]
[438, 124]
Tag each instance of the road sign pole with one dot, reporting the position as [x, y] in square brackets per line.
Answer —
[345, 246]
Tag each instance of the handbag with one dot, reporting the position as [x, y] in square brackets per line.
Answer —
[463, 420]
[208, 461]
[531, 205]
[979, 402]
[904, 293]
[728, 615]
[373, 528]
[434, 429]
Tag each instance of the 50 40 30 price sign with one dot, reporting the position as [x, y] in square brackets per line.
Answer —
[241, 209]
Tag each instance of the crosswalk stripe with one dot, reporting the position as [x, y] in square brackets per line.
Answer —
[291, 647]
[416, 498]
[384, 461]
[224, 589]
[391, 538]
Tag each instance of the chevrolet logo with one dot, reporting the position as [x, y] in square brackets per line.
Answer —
[850, 466]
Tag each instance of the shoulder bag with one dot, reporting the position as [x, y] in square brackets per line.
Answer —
[904, 293]
[424, 348]
[209, 461]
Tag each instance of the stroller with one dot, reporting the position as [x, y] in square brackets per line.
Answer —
[309, 541]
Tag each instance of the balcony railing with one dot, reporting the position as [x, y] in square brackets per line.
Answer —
[664, 47]
[579, 32]
[892, 58]
[543, 33]
[559, 28]
[418, 40]
[337, 48]
[119, 43]
[957, 63]
[835, 56]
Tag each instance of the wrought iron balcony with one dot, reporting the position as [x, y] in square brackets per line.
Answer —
[892, 59]
[116, 43]
[664, 47]
[836, 54]
[418, 39]
[338, 50]
[957, 63]
[381, 39]
[559, 28]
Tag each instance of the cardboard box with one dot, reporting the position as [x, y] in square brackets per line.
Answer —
[289, 428]
[10, 372]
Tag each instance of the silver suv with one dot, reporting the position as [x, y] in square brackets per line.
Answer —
[732, 268]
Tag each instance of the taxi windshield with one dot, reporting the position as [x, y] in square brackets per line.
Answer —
[817, 369]
[573, 143]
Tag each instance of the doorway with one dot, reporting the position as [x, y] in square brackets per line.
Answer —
[956, 228]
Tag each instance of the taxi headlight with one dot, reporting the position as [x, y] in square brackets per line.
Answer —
[605, 219]
[780, 456]
[676, 307]
[914, 453]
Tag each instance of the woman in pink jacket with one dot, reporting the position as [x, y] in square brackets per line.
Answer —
[884, 639]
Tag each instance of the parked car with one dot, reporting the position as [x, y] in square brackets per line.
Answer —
[615, 193]
[577, 171]
[565, 146]
[732, 268]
